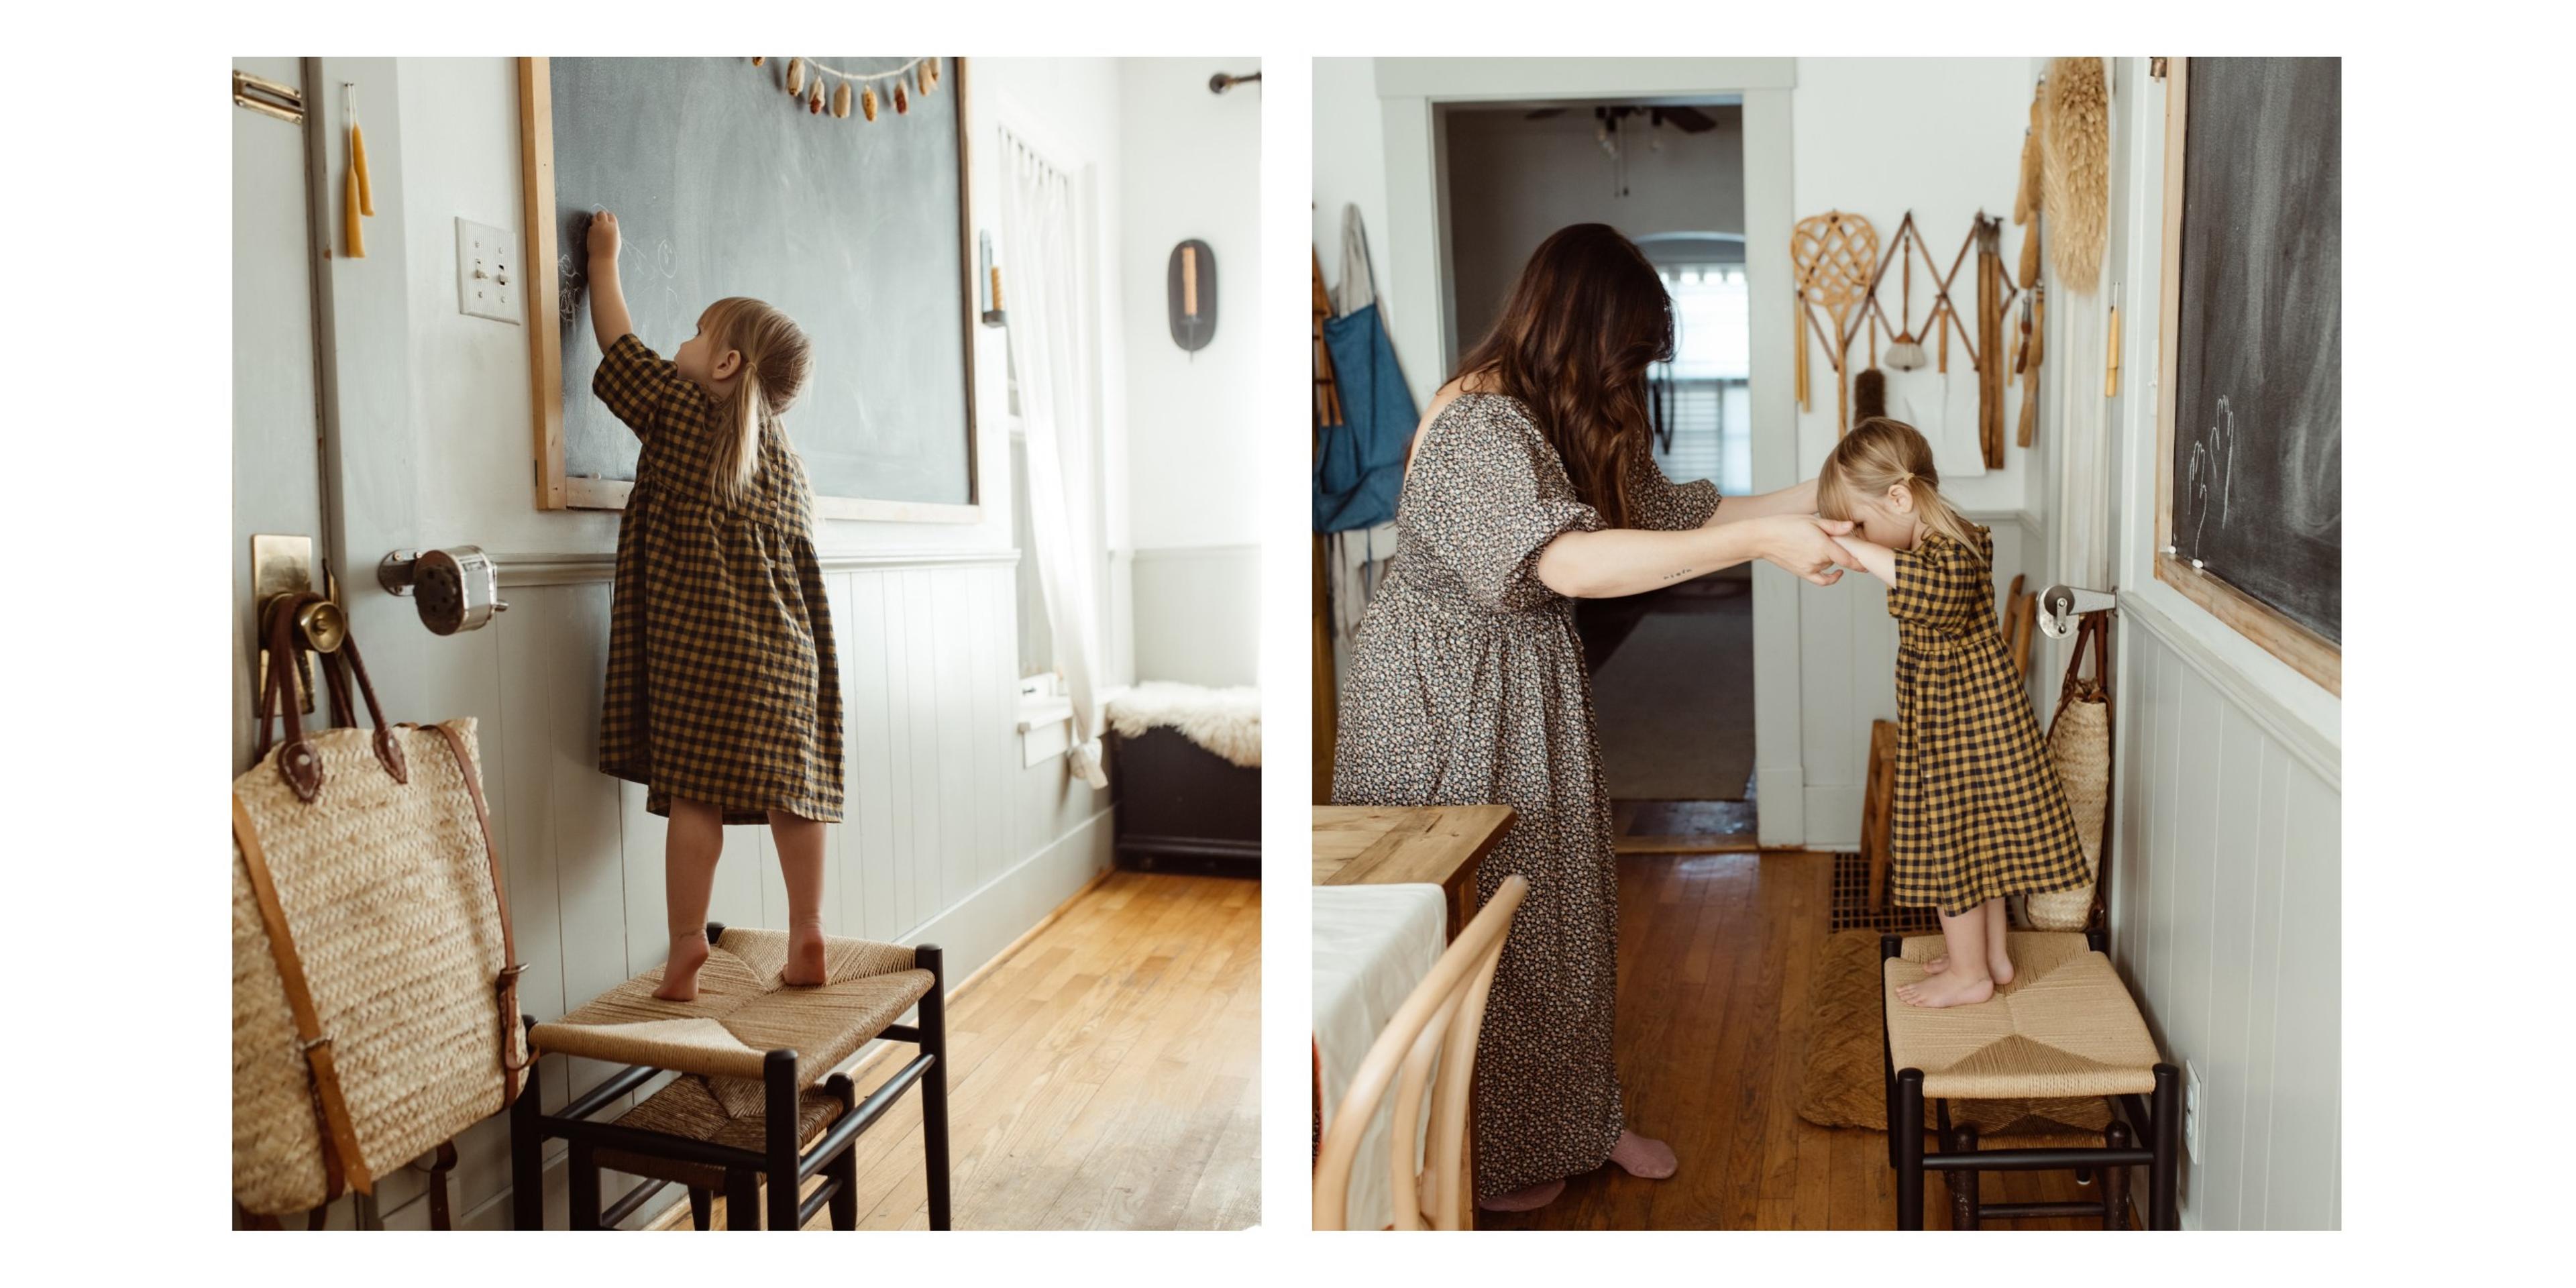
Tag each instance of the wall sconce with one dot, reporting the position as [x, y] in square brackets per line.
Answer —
[1191, 287]
[988, 277]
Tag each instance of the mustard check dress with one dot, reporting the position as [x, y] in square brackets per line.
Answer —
[722, 682]
[1467, 687]
[1979, 812]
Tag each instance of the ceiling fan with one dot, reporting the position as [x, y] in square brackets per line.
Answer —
[1688, 119]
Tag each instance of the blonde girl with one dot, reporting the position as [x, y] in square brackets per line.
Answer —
[1978, 811]
[723, 692]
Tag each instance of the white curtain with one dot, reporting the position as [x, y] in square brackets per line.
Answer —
[1051, 358]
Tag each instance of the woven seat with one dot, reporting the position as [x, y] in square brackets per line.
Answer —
[743, 1011]
[691, 1107]
[2064, 1027]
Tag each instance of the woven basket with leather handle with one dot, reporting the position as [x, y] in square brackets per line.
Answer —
[2079, 746]
[374, 999]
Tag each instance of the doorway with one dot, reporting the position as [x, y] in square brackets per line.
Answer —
[1672, 670]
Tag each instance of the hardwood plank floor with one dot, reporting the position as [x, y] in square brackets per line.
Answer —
[1106, 1075]
[1714, 956]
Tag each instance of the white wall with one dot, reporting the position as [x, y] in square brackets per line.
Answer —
[1192, 169]
[1350, 167]
[948, 840]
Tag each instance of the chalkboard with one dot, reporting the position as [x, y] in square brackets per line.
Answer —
[724, 185]
[2256, 482]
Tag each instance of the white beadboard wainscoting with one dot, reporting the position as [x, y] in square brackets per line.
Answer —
[1847, 678]
[2227, 919]
[946, 838]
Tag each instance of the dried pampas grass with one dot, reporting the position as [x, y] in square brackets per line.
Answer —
[2076, 179]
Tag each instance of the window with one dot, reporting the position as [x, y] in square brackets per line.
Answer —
[1700, 403]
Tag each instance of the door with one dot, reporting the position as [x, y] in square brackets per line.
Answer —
[277, 444]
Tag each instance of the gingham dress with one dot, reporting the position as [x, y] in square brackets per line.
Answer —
[1979, 812]
[722, 682]
[1466, 687]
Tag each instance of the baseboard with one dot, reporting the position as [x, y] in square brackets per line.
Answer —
[1833, 815]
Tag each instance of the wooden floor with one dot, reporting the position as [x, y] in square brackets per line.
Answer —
[1714, 952]
[1106, 1076]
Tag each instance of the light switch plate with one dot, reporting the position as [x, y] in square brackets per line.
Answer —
[487, 272]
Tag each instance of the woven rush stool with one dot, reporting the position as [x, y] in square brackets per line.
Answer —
[2065, 1027]
[755, 1058]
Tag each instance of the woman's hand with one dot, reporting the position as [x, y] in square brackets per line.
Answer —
[1805, 546]
[603, 237]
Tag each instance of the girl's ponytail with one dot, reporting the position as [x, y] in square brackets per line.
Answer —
[775, 362]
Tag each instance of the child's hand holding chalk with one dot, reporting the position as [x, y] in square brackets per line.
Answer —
[603, 236]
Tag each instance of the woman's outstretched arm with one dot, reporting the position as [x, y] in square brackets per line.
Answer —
[1797, 499]
[1628, 561]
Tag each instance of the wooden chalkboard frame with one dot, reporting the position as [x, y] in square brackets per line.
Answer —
[545, 347]
[2306, 652]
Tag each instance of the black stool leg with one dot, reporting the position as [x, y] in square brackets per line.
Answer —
[843, 1171]
[2115, 1181]
[778, 1075]
[701, 1207]
[934, 1083]
[2164, 1183]
[1889, 948]
[528, 1152]
[1908, 1130]
[742, 1199]
[1963, 1182]
[581, 1170]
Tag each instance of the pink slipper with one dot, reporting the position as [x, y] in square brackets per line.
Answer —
[1526, 1199]
[1643, 1156]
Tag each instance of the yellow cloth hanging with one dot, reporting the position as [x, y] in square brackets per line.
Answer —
[357, 239]
[357, 200]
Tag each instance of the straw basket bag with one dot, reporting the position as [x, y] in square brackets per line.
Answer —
[374, 996]
[2079, 747]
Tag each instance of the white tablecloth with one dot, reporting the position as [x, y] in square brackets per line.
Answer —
[1373, 944]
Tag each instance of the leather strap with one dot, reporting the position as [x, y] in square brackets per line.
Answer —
[339, 1134]
[337, 665]
[507, 985]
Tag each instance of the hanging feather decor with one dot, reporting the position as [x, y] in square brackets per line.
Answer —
[795, 77]
[902, 101]
[868, 103]
[841, 101]
[2076, 177]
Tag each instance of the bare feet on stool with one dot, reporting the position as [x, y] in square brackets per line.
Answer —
[1643, 1156]
[1524, 1200]
[804, 957]
[1949, 988]
[1998, 966]
[680, 974]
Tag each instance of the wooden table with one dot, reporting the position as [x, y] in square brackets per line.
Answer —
[1385, 845]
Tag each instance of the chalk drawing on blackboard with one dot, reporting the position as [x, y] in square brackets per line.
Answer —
[2213, 466]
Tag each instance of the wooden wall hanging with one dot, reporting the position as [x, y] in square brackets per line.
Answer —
[1837, 266]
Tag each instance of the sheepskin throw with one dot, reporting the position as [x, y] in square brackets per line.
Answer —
[1225, 721]
[2076, 179]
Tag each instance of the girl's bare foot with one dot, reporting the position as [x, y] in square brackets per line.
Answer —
[804, 957]
[1999, 968]
[680, 974]
[1524, 1200]
[1643, 1156]
[1937, 965]
[1949, 988]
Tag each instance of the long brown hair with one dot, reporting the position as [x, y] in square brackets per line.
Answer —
[1876, 455]
[1587, 318]
[775, 362]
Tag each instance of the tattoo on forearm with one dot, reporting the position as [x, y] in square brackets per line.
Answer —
[1671, 576]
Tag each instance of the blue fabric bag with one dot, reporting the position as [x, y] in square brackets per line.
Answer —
[1359, 466]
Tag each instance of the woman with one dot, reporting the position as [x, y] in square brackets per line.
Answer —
[1530, 485]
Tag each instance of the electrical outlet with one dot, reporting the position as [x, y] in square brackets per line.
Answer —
[2191, 1110]
[487, 272]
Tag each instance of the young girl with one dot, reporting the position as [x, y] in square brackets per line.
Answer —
[1979, 813]
[723, 696]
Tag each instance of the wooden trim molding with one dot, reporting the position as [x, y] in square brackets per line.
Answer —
[2311, 746]
[2305, 651]
[577, 568]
